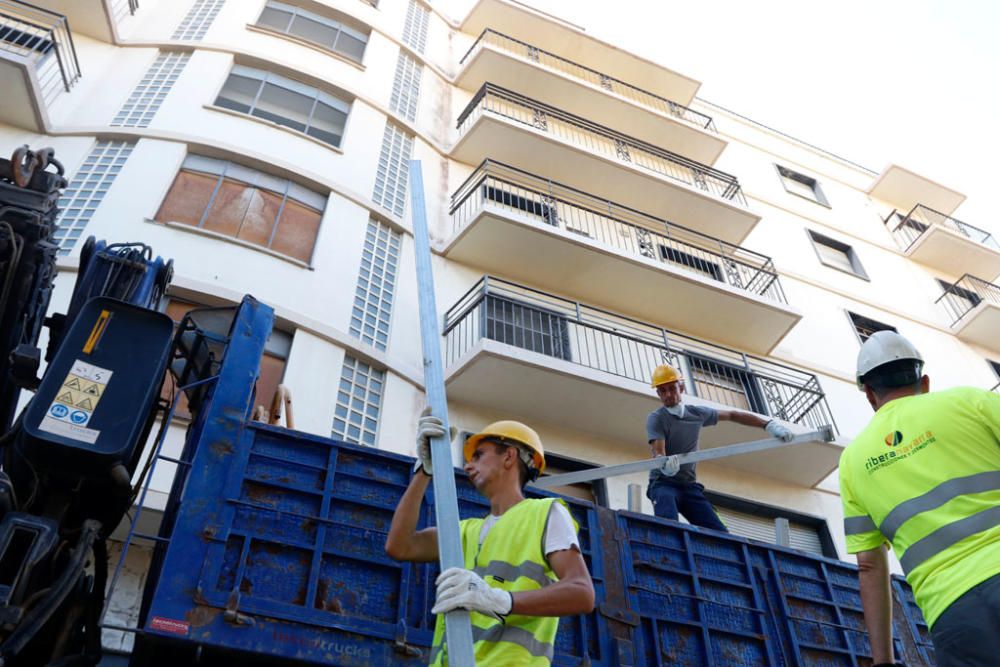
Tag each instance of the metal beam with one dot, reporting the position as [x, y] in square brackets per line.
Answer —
[458, 627]
[665, 462]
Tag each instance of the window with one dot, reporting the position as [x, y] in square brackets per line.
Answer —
[726, 384]
[865, 326]
[376, 285]
[393, 171]
[272, 362]
[198, 20]
[995, 365]
[837, 255]
[320, 30]
[687, 260]
[960, 299]
[595, 491]
[233, 200]
[524, 326]
[415, 26]
[529, 206]
[80, 200]
[802, 185]
[758, 521]
[359, 399]
[148, 95]
[406, 86]
[286, 102]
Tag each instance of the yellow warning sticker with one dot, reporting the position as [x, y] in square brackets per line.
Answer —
[76, 401]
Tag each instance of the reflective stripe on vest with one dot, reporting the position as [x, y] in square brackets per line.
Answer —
[939, 495]
[510, 572]
[507, 633]
[854, 525]
[944, 537]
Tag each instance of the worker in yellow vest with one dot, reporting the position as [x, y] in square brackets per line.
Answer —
[924, 477]
[523, 566]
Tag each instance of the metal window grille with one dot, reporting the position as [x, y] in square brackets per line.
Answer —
[376, 285]
[415, 28]
[198, 20]
[149, 93]
[359, 399]
[406, 87]
[762, 528]
[87, 189]
[392, 175]
[865, 326]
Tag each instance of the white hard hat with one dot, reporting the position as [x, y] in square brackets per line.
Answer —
[881, 348]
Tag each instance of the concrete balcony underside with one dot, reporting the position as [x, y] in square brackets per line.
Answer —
[493, 136]
[524, 23]
[981, 326]
[905, 189]
[537, 387]
[507, 242]
[954, 253]
[21, 93]
[491, 64]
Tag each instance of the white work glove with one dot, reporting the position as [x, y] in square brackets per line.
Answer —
[670, 466]
[428, 426]
[779, 431]
[458, 588]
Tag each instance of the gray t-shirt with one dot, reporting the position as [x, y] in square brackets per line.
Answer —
[681, 435]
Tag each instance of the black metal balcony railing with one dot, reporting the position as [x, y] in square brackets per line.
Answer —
[499, 186]
[490, 37]
[962, 296]
[532, 320]
[120, 7]
[599, 139]
[43, 38]
[906, 229]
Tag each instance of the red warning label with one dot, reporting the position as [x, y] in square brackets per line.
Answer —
[169, 625]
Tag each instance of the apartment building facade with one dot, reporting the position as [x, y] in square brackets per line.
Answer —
[590, 218]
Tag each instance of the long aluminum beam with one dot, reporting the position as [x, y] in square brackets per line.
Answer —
[458, 627]
[666, 462]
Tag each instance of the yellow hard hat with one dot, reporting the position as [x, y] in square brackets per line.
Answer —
[509, 433]
[663, 374]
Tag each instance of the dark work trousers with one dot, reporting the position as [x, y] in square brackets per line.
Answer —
[967, 634]
[669, 498]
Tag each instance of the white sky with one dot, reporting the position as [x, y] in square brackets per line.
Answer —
[911, 82]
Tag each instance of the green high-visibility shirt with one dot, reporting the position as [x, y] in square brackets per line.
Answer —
[924, 475]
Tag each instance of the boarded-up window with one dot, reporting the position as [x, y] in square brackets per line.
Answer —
[233, 200]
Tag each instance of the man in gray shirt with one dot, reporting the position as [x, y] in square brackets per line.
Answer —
[674, 428]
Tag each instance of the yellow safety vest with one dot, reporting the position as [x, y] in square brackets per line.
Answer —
[924, 475]
[512, 558]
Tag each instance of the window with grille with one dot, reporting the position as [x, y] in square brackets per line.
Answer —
[406, 87]
[802, 185]
[415, 26]
[865, 326]
[595, 491]
[198, 20]
[526, 327]
[393, 169]
[692, 262]
[726, 384]
[146, 98]
[325, 31]
[359, 399]
[837, 255]
[230, 199]
[272, 362]
[521, 203]
[86, 191]
[376, 285]
[286, 102]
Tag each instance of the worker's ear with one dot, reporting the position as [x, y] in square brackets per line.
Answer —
[872, 398]
[925, 384]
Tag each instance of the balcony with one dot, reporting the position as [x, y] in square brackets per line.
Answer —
[510, 63]
[973, 308]
[536, 27]
[531, 354]
[94, 18]
[944, 243]
[510, 222]
[904, 189]
[530, 135]
[37, 63]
